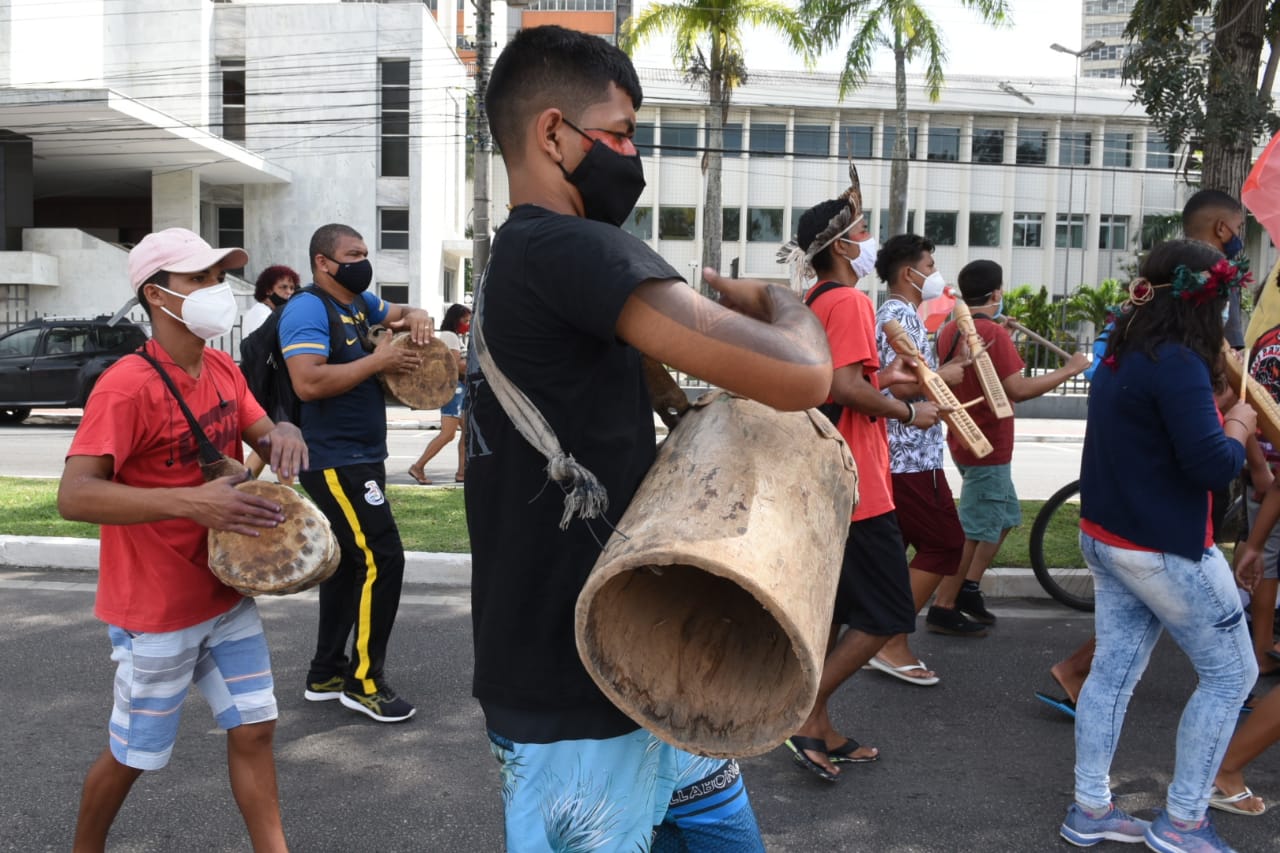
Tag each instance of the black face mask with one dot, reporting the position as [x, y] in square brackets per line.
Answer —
[609, 183]
[355, 277]
[276, 299]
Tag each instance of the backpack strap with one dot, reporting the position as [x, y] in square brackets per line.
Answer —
[820, 289]
[208, 453]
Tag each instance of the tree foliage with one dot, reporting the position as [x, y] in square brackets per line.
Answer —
[1201, 86]
[708, 48]
[1089, 304]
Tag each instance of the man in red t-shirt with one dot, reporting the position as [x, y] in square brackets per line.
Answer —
[988, 503]
[133, 468]
[873, 597]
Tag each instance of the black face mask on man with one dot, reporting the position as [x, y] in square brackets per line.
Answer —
[355, 276]
[609, 183]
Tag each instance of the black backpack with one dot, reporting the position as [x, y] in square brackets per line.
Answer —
[262, 362]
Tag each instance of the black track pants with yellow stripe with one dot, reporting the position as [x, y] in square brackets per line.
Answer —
[358, 603]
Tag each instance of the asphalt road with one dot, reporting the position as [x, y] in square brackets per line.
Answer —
[974, 763]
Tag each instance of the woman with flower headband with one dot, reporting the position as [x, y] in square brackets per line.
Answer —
[1154, 447]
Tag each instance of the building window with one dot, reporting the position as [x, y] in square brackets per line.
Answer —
[231, 231]
[984, 229]
[643, 138]
[940, 227]
[856, 141]
[1117, 150]
[1076, 148]
[1026, 230]
[733, 139]
[1033, 147]
[891, 136]
[396, 294]
[640, 223]
[1069, 233]
[812, 140]
[944, 144]
[768, 140]
[884, 223]
[395, 118]
[1159, 152]
[233, 99]
[1108, 7]
[764, 224]
[988, 145]
[1113, 232]
[447, 281]
[731, 223]
[676, 223]
[393, 229]
[679, 140]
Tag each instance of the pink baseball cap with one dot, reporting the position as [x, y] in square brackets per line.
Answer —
[177, 250]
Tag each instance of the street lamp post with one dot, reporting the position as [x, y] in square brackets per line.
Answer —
[1071, 164]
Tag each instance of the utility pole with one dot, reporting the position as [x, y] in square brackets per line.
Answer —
[483, 147]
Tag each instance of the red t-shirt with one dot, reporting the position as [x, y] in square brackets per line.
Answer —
[850, 320]
[1006, 361]
[155, 576]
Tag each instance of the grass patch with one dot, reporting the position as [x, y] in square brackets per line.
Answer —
[429, 519]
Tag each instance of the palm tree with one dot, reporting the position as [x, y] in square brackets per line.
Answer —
[708, 47]
[1088, 304]
[904, 26]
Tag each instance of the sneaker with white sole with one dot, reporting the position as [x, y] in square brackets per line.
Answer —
[1084, 831]
[326, 690]
[1163, 837]
[384, 706]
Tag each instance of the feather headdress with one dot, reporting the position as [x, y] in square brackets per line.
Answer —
[800, 258]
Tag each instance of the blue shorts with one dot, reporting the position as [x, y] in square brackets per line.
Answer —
[453, 408]
[627, 793]
[225, 657]
[988, 502]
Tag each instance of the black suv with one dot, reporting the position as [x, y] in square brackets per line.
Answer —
[53, 362]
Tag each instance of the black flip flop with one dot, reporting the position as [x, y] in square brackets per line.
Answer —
[1061, 704]
[798, 745]
[843, 754]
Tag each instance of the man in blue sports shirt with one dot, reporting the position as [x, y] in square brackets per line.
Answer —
[345, 428]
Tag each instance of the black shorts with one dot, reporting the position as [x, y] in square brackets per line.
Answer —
[874, 592]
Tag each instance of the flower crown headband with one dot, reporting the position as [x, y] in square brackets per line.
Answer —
[1194, 287]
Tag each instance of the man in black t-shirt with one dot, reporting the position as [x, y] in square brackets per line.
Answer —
[568, 304]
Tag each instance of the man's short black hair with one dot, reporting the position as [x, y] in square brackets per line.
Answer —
[551, 66]
[978, 280]
[325, 240]
[1207, 200]
[900, 250]
[159, 278]
[812, 223]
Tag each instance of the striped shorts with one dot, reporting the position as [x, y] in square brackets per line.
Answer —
[227, 659]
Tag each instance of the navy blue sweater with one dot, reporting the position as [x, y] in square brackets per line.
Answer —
[1153, 449]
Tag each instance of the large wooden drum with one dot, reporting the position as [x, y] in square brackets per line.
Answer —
[290, 557]
[707, 615]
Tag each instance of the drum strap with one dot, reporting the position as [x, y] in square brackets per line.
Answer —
[584, 495]
[208, 453]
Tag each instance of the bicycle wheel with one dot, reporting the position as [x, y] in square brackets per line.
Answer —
[1058, 524]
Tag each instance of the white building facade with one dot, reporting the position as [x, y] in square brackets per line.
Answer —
[1057, 196]
[252, 122]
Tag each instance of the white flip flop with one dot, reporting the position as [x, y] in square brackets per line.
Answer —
[900, 672]
[1227, 802]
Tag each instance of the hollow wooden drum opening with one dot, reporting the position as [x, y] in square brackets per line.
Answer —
[706, 616]
[663, 635]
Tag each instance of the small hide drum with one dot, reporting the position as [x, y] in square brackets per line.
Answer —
[297, 554]
[435, 381]
[706, 617]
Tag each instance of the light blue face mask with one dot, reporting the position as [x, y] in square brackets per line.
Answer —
[999, 309]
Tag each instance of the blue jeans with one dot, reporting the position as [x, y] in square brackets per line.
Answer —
[1138, 594]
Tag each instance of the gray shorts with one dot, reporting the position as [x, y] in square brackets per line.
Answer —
[1271, 550]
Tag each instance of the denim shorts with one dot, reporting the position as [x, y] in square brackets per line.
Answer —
[453, 408]
[631, 792]
[988, 501]
[225, 657]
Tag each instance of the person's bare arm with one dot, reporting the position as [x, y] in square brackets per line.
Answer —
[770, 347]
[314, 378]
[416, 320]
[1020, 387]
[87, 493]
[850, 388]
[280, 444]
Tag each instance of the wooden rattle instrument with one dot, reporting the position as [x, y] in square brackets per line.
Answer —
[992, 387]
